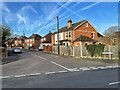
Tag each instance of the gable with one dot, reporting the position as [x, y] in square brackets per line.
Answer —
[83, 28]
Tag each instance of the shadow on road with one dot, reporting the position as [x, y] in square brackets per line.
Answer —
[11, 58]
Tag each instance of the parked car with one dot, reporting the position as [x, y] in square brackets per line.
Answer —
[17, 50]
[41, 47]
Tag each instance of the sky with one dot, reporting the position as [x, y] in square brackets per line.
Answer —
[40, 17]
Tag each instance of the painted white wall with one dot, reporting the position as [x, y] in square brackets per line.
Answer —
[60, 37]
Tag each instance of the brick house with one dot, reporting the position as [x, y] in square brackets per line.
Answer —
[10, 42]
[46, 40]
[20, 41]
[79, 33]
[33, 41]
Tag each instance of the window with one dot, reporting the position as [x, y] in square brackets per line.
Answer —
[28, 40]
[67, 44]
[68, 35]
[44, 39]
[86, 43]
[33, 39]
[92, 35]
[94, 42]
[99, 43]
[59, 36]
[30, 44]
[63, 43]
[86, 24]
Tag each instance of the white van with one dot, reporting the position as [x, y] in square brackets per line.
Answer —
[41, 47]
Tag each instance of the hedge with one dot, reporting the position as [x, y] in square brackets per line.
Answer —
[95, 49]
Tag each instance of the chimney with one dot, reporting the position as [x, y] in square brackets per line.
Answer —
[69, 23]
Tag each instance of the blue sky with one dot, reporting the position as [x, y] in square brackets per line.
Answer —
[39, 17]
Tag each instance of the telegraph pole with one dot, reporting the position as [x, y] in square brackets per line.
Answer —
[58, 34]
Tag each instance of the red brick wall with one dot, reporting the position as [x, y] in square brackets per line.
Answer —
[52, 39]
[82, 30]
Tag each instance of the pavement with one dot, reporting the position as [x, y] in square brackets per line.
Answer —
[36, 69]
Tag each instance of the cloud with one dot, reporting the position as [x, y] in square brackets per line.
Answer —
[4, 8]
[87, 7]
[28, 7]
[22, 19]
[73, 12]
[51, 15]
[58, 9]
[11, 17]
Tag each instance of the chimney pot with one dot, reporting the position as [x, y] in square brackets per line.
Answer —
[69, 22]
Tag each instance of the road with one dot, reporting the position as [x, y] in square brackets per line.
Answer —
[42, 70]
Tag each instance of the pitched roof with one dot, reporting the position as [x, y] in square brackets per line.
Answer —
[35, 36]
[21, 38]
[48, 38]
[70, 28]
[84, 39]
[99, 34]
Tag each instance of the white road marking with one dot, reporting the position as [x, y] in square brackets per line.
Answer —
[60, 65]
[62, 71]
[42, 58]
[102, 67]
[34, 74]
[54, 55]
[4, 77]
[67, 69]
[20, 75]
[93, 68]
[112, 83]
[39, 56]
[74, 69]
[84, 68]
[109, 66]
[115, 66]
[49, 72]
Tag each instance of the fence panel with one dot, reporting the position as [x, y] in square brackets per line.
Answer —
[81, 51]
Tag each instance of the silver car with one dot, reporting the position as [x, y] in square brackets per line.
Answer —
[17, 50]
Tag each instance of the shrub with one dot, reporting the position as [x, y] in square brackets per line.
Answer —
[95, 49]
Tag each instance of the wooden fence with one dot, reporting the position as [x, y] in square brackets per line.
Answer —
[81, 51]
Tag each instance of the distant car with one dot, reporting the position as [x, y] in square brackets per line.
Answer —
[16, 50]
[41, 47]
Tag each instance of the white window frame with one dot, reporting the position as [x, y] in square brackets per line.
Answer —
[68, 34]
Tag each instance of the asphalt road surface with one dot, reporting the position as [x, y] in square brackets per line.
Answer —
[42, 70]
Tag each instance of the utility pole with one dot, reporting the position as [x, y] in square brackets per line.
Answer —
[58, 34]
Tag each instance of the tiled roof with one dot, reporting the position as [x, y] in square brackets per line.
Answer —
[72, 27]
[84, 39]
[35, 36]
